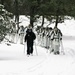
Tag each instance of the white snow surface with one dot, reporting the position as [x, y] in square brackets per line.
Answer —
[13, 60]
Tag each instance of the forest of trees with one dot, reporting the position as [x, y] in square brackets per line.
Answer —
[53, 10]
[49, 9]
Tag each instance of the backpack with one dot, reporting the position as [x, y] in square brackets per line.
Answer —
[56, 35]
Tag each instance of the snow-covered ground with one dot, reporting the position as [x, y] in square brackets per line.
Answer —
[13, 60]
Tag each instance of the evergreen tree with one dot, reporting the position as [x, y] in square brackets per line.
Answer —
[4, 22]
[51, 9]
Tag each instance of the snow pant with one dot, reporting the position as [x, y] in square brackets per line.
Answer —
[51, 45]
[56, 45]
[47, 42]
[42, 44]
[21, 38]
[17, 38]
[29, 49]
[44, 41]
[41, 40]
[13, 37]
[38, 38]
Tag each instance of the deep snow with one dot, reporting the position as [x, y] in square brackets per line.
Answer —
[13, 60]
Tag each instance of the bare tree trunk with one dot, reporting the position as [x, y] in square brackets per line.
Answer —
[42, 21]
[32, 15]
[56, 23]
[17, 20]
[16, 13]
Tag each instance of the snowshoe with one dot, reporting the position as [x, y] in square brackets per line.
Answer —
[31, 54]
[56, 53]
[52, 50]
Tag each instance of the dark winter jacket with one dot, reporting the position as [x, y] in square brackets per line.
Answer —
[30, 37]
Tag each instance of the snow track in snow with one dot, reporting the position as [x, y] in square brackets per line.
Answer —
[43, 64]
[70, 52]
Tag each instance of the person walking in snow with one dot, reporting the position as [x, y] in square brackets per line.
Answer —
[56, 37]
[13, 33]
[29, 38]
[21, 34]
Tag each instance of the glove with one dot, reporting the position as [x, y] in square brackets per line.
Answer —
[52, 39]
[19, 34]
[24, 40]
[60, 38]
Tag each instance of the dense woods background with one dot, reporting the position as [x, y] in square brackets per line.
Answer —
[50, 9]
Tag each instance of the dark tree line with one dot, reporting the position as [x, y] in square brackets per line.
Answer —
[5, 23]
[49, 9]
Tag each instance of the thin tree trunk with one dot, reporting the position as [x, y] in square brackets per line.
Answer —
[31, 20]
[56, 23]
[42, 21]
[16, 13]
[32, 16]
[17, 20]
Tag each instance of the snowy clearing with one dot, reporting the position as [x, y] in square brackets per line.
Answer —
[13, 60]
